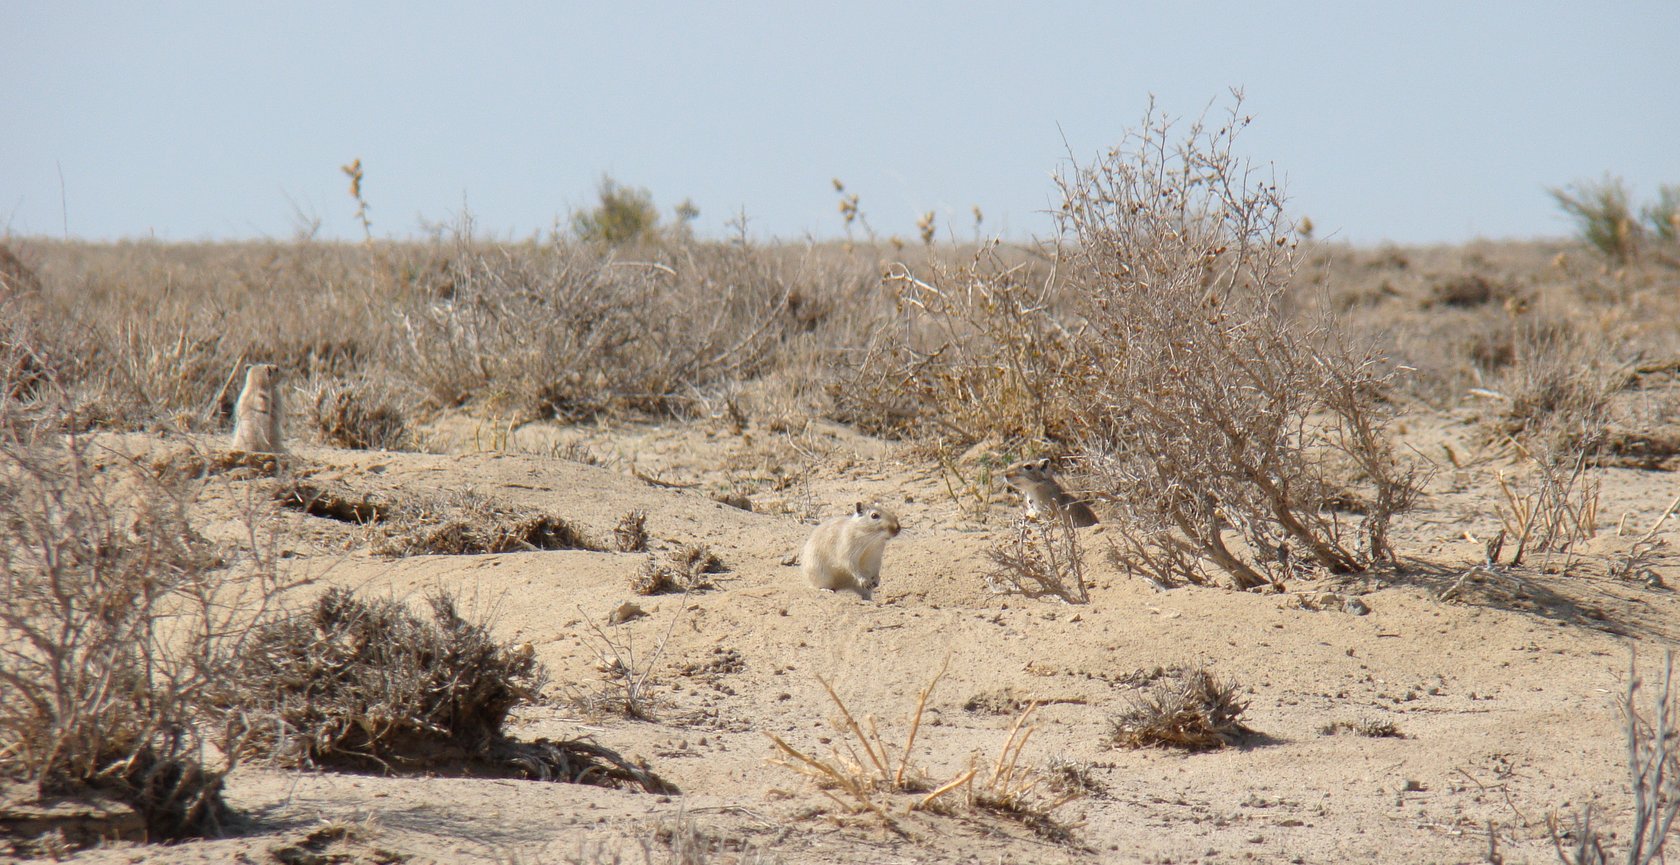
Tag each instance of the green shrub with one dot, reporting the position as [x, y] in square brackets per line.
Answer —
[625, 215]
[1603, 214]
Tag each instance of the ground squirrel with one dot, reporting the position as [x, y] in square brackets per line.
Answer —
[844, 553]
[256, 417]
[1037, 484]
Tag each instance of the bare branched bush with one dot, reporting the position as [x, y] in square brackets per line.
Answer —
[118, 621]
[1653, 770]
[1552, 511]
[1209, 410]
[627, 674]
[1041, 558]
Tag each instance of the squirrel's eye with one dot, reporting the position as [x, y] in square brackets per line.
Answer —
[874, 515]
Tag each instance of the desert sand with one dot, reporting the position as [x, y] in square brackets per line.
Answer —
[1504, 694]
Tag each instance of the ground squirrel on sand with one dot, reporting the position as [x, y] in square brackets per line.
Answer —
[844, 553]
[1037, 484]
[256, 417]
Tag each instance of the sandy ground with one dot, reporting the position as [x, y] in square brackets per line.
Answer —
[1505, 695]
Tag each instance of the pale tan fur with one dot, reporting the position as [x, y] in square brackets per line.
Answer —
[1037, 483]
[844, 553]
[257, 415]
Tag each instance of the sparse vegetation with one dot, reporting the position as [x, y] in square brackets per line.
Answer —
[1041, 558]
[1369, 727]
[1246, 406]
[864, 768]
[630, 535]
[467, 523]
[1653, 770]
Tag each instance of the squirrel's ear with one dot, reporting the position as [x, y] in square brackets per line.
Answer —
[858, 509]
[1044, 463]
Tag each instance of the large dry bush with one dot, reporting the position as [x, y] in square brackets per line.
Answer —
[1211, 412]
[117, 619]
[369, 683]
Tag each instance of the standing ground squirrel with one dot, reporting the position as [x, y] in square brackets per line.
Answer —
[844, 553]
[1037, 484]
[256, 417]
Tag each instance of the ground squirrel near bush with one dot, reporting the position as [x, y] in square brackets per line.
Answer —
[844, 553]
[1036, 482]
[256, 417]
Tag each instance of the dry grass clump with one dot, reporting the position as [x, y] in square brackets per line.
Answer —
[1208, 410]
[1468, 290]
[465, 523]
[118, 619]
[1040, 558]
[862, 766]
[359, 418]
[369, 684]
[333, 502]
[630, 535]
[687, 568]
[1190, 709]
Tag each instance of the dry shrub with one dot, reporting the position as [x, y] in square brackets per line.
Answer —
[117, 622]
[1556, 389]
[573, 332]
[357, 683]
[630, 535]
[1041, 558]
[330, 502]
[1554, 407]
[16, 277]
[359, 417]
[1189, 709]
[1468, 289]
[466, 523]
[687, 568]
[1368, 727]
[978, 350]
[1207, 409]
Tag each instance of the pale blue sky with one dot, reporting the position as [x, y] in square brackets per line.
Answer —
[1413, 122]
